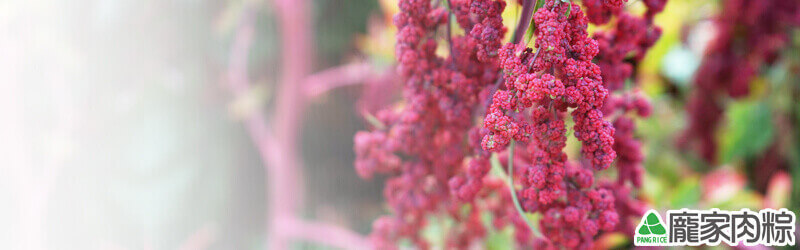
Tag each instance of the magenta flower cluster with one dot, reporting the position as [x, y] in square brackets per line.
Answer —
[622, 45]
[557, 77]
[461, 108]
[422, 144]
[564, 49]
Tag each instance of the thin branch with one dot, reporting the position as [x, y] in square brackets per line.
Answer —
[528, 7]
[449, 29]
[513, 191]
[280, 161]
[340, 76]
[533, 60]
[497, 167]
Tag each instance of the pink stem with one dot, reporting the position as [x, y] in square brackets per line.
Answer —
[279, 153]
[296, 40]
[350, 74]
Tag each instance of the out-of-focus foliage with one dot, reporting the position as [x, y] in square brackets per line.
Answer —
[749, 131]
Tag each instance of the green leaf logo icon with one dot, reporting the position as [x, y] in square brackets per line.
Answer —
[651, 224]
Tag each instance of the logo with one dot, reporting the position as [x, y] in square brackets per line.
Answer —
[651, 231]
[686, 227]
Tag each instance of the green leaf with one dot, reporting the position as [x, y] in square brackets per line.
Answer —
[686, 194]
[749, 130]
[531, 28]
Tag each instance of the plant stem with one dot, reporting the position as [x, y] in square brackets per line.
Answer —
[528, 7]
[449, 29]
[278, 152]
[511, 188]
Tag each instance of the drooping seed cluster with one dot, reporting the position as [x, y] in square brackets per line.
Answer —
[435, 149]
[631, 35]
[589, 211]
[749, 33]
[564, 49]
[421, 143]
[540, 88]
[626, 43]
[628, 105]
[622, 46]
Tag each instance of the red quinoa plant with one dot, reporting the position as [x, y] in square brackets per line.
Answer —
[482, 104]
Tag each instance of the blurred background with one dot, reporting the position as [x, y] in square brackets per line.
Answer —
[190, 124]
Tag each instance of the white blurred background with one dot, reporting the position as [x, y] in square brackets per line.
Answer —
[113, 134]
[116, 131]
